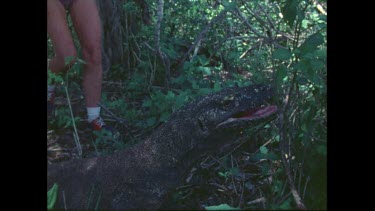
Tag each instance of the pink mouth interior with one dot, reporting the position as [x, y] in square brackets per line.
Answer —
[259, 112]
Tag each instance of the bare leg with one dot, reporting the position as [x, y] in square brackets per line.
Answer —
[86, 20]
[58, 30]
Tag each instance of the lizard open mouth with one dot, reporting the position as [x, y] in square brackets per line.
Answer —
[257, 113]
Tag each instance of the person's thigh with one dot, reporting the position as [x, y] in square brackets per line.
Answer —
[86, 21]
[58, 30]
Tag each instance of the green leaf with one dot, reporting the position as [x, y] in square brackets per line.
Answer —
[51, 196]
[221, 207]
[224, 174]
[289, 11]
[203, 60]
[317, 65]
[170, 95]
[282, 54]
[228, 5]
[164, 116]
[302, 66]
[151, 121]
[195, 85]
[321, 53]
[205, 70]
[235, 171]
[281, 74]
[321, 149]
[305, 23]
[146, 103]
[204, 91]
[311, 43]
[263, 150]
[286, 204]
[217, 86]
[272, 156]
[187, 66]
[68, 59]
[80, 61]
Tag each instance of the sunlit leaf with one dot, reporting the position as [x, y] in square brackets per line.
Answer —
[52, 196]
[221, 207]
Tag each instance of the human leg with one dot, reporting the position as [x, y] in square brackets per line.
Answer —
[86, 20]
[58, 31]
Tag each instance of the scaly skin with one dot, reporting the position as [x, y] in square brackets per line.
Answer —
[140, 177]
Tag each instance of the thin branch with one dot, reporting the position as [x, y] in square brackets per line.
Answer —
[75, 133]
[148, 46]
[268, 40]
[63, 192]
[256, 201]
[160, 53]
[283, 199]
[202, 34]
[123, 122]
[304, 189]
[297, 197]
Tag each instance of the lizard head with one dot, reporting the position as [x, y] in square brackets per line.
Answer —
[234, 109]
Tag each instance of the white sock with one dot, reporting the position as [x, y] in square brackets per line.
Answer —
[92, 113]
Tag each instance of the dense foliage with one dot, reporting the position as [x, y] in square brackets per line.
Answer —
[194, 47]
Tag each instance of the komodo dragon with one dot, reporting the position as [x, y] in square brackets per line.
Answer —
[139, 177]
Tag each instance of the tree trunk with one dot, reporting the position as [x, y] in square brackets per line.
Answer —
[114, 30]
[112, 33]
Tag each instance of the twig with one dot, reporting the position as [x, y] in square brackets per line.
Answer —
[96, 149]
[52, 142]
[296, 196]
[265, 144]
[241, 37]
[97, 202]
[242, 190]
[290, 37]
[75, 133]
[283, 198]
[242, 17]
[304, 189]
[201, 35]
[263, 202]
[204, 165]
[299, 179]
[64, 200]
[234, 185]
[56, 150]
[147, 45]
[284, 186]
[218, 185]
[256, 201]
[117, 119]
